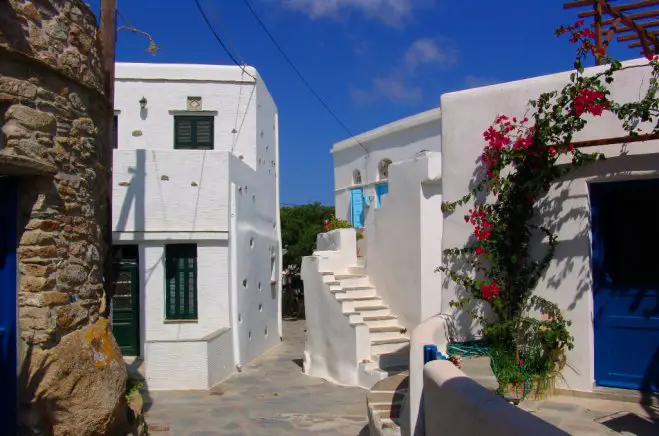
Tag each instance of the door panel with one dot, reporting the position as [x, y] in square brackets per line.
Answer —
[125, 302]
[625, 284]
[357, 207]
[8, 300]
[381, 190]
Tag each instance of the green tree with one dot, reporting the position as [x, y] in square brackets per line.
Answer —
[299, 227]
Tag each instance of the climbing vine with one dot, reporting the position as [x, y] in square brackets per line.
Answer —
[522, 158]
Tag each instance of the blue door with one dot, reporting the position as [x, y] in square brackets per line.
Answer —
[8, 359]
[381, 190]
[626, 283]
[357, 207]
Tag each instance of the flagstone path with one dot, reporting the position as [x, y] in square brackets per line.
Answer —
[271, 396]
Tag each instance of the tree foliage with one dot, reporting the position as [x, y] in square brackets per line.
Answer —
[299, 227]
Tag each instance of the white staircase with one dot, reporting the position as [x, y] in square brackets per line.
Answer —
[361, 304]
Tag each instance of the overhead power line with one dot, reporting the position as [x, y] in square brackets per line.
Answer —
[219, 40]
[299, 74]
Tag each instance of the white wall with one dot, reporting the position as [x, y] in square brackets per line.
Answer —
[225, 89]
[154, 192]
[255, 254]
[397, 141]
[404, 240]
[212, 292]
[465, 115]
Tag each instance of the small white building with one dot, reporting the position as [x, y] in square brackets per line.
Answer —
[359, 308]
[197, 245]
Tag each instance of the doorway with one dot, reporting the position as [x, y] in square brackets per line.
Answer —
[625, 283]
[8, 301]
[126, 299]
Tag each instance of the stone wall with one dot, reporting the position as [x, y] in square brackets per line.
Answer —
[54, 120]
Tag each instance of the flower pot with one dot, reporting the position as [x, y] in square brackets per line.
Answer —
[539, 388]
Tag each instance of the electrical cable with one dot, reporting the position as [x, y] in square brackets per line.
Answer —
[299, 74]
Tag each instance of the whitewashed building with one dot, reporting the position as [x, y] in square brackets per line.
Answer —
[387, 184]
[197, 246]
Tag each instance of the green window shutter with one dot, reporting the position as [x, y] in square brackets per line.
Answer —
[181, 281]
[195, 133]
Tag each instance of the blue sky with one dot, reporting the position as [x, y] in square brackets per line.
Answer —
[372, 61]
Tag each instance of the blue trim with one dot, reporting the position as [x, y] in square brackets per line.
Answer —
[8, 308]
[381, 189]
[357, 207]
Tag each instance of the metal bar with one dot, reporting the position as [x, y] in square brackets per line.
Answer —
[108, 38]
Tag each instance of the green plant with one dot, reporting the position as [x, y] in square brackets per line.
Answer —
[519, 165]
[333, 223]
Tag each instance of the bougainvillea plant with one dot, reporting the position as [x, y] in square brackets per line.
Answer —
[522, 158]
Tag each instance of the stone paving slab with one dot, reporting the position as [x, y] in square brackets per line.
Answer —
[271, 396]
[589, 416]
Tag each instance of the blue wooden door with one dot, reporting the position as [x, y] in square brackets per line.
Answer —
[357, 207]
[381, 190]
[626, 283]
[8, 354]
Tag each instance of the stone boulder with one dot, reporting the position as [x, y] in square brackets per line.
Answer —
[76, 388]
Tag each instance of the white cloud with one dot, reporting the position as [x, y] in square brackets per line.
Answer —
[397, 87]
[391, 12]
[478, 81]
[440, 51]
[401, 83]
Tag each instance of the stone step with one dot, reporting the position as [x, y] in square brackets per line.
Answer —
[388, 361]
[358, 270]
[381, 321]
[353, 280]
[390, 345]
[341, 292]
[326, 273]
[361, 262]
[368, 300]
[371, 311]
[386, 332]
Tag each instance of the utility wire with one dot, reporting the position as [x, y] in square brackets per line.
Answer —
[219, 40]
[299, 74]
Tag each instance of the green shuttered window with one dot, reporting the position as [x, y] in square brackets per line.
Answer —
[193, 133]
[181, 281]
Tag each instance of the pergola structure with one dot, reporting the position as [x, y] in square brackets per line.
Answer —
[633, 21]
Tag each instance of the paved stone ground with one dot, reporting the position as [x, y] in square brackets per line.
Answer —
[270, 397]
[586, 416]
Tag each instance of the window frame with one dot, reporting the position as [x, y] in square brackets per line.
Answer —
[194, 119]
[173, 254]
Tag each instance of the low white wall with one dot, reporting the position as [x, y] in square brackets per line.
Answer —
[338, 248]
[176, 365]
[568, 281]
[454, 404]
[404, 240]
[334, 348]
[434, 331]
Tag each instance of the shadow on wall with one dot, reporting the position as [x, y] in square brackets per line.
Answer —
[554, 212]
[134, 197]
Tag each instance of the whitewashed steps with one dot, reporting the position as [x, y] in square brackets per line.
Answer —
[362, 305]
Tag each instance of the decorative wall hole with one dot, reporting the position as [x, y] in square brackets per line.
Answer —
[266, 331]
[267, 147]
[356, 177]
[249, 335]
[245, 283]
[383, 169]
[251, 242]
[240, 189]
[260, 307]
[124, 183]
[269, 171]
[241, 157]
[136, 133]
[164, 178]
[259, 161]
[245, 188]
[259, 286]
[261, 133]
[254, 198]
[240, 318]
[274, 225]
[194, 184]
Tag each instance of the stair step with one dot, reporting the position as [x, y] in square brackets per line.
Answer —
[326, 273]
[358, 298]
[349, 276]
[392, 360]
[358, 288]
[333, 283]
[391, 328]
[398, 340]
[371, 311]
[375, 307]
